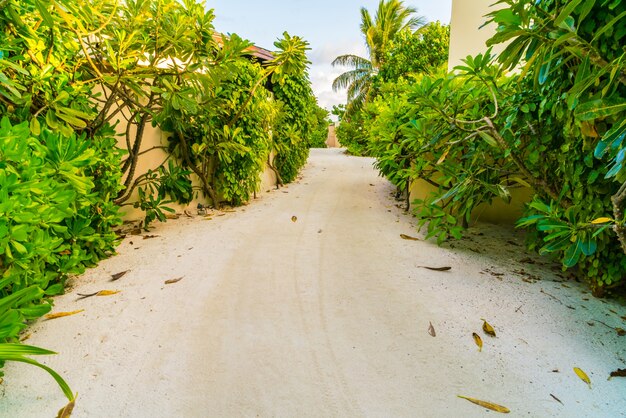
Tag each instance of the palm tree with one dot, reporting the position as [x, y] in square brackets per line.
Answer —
[391, 18]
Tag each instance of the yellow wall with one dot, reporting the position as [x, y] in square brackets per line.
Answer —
[498, 212]
[465, 36]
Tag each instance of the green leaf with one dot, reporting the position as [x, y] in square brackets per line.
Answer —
[488, 138]
[572, 254]
[589, 247]
[608, 26]
[566, 11]
[35, 127]
[598, 109]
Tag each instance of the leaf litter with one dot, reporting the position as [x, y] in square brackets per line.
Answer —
[119, 275]
[98, 293]
[489, 405]
[62, 314]
[66, 411]
[408, 237]
[488, 329]
[478, 341]
[431, 329]
[172, 281]
[436, 268]
[583, 376]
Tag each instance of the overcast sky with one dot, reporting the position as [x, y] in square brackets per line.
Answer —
[330, 26]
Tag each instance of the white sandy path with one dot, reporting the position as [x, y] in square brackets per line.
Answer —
[324, 317]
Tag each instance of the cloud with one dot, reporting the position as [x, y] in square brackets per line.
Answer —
[326, 53]
[322, 73]
[322, 76]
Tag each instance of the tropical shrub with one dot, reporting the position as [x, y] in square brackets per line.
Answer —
[319, 128]
[79, 84]
[555, 125]
[294, 128]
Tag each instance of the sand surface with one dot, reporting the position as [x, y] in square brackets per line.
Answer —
[326, 316]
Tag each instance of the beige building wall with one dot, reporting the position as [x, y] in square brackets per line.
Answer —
[465, 36]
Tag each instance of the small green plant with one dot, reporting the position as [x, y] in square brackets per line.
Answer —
[18, 352]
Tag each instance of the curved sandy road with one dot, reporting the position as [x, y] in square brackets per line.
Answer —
[323, 317]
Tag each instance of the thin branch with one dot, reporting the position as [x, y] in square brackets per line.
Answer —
[538, 184]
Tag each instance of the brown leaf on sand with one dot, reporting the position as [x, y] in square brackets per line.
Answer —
[488, 405]
[150, 236]
[431, 329]
[478, 341]
[488, 328]
[66, 411]
[99, 293]
[583, 376]
[618, 373]
[408, 237]
[436, 268]
[119, 275]
[172, 281]
[62, 314]
[294, 218]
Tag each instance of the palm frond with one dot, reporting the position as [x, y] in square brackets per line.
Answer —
[354, 61]
[348, 78]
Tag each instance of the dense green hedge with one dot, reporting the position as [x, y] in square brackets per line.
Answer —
[68, 70]
[556, 125]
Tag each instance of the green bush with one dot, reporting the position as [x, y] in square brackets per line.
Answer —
[556, 126]
[68, 70]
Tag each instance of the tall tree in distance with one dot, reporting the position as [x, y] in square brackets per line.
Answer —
[391, 17]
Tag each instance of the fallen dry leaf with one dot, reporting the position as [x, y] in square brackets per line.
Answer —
[108, 292]
[294, 218]
[25, 337]
[478, 341]
[620, 331]
[583, 376]
[436, 268]
[119, 275]
[62, 314]
[172, 281]
[488, 328]
[150, 236]
[66, 411]
[618, 373]
[557, 399]
[431, 329]
[66, 252]
[408, 237]
[98, 293]
[86, 295]
[488, 405]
